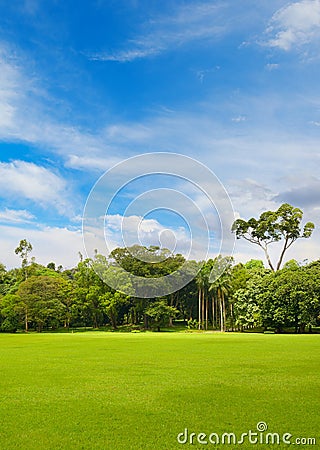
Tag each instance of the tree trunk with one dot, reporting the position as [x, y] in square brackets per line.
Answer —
[268, 258]
[113, 321]
[199, 307]
[206, 312]
[231, 315]
[224, 311]
[203, 318]
[221, 310]
[213, 318]
[26, 322]
[282, 253]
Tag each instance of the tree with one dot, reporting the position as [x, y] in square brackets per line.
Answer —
[41, 300]
[9, 313]
[113, 304]
[274, 226]
[201, 280]
[23, 250]
[219, 280]
[88, 287]
[160, 313]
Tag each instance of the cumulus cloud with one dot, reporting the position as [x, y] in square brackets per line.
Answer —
[60, 245]
[130, 230]
[21, 179]
[295, 25]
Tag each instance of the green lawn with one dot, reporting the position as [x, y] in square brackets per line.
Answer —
[138, 391]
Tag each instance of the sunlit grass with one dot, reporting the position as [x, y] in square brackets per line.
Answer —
[138, 391]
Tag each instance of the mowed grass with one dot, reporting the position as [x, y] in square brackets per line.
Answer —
[138, 391]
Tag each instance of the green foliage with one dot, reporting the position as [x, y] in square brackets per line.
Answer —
[222, 296]
[114, 304]
[41, 300]
[160, 313]
[287, 298]
[147, 262]
[274, 226]
[23, 249]
[9, 312]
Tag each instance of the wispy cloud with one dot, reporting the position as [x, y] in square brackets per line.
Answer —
[184, 24]
[20, 179]
[239, 119]
[16, 216]
[294, 25]
[272, 66]
[24, 118]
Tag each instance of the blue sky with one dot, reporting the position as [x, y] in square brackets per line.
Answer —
[85, 85]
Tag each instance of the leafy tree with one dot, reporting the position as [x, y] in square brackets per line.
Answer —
[23, 250]
[246, 306]
[41, 300]
[51, 265]
[9, 313]
[114, 304]
[2, 272]
[290, 298]
[274, 226]
[88, 287]
[186, 301]
[160, 313]
[245, 282]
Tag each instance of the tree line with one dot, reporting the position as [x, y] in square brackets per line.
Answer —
[223, 296]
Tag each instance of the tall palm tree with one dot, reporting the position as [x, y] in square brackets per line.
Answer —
[219, 281]
[202, 283]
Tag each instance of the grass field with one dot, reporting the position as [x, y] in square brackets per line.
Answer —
[139, 391]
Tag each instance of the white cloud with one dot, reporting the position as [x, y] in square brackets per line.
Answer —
[272, 66]
[301, 250]
[60, 245]
[20, 179]
[251, 198]
[184, 24]
[295, 25]
[239, 119]
[130, 230]
[23, 118]
[16, 216]
[10, 81]
[120, 231]
[94, 163]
